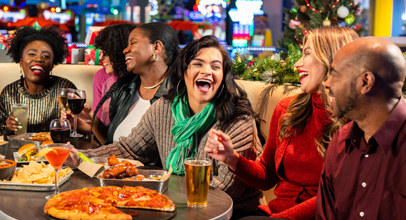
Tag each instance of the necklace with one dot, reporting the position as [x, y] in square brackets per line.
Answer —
[154, 86]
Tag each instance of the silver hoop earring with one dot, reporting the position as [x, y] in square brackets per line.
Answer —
[155, 57]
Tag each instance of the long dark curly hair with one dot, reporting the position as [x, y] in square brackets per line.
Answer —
[112, 40]
[49, 34]
[231, 102]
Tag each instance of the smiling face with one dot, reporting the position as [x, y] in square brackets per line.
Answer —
[203, 77]
[139, 51]
[311, 71]
[36, 62]
[108, 67]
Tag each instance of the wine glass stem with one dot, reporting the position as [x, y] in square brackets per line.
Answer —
[75, 126]
[56, 181]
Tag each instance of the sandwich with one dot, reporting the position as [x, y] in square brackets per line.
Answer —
[27, 152]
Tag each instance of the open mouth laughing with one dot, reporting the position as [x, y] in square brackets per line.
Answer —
[37, 69]
[204, 85]
[303, 74]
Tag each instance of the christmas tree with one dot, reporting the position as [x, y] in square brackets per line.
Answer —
[310, 14]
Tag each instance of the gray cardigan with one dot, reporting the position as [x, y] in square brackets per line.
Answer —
[151, 141]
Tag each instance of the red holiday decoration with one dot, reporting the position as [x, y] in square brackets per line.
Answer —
[308, 5]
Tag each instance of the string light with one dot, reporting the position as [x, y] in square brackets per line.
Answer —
[308, 5]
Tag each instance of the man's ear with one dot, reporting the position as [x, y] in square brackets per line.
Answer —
[367, 82]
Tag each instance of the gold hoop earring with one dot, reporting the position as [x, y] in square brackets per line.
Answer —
[155, 57]
[21, 73]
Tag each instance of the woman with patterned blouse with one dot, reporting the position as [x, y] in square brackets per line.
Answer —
[37, 51]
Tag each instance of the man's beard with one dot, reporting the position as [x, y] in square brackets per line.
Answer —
[351, 102]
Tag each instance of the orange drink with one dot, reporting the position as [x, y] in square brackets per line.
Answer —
[57, 156]
[197, 181]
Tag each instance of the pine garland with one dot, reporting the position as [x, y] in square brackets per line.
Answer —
[276, 69]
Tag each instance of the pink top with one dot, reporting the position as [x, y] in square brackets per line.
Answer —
[103, 112]
[99, 78]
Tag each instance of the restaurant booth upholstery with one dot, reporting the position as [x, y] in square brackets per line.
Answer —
[82, 77]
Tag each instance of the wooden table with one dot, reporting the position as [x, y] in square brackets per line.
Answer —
[29, 205]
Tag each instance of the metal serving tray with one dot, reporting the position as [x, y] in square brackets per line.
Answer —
[32, 186]
[157, 185]
[16, 158]
[16, 141]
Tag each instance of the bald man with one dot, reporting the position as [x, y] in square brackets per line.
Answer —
[364, 174]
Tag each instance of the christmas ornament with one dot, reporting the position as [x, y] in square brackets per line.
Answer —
[303, 8]
[357, 27]
[343, 12]
[305, 31]
[326, 22]
[293, 23]
[349, 19]
[293, 10]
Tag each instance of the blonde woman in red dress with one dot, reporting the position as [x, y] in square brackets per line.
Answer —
[301, 128]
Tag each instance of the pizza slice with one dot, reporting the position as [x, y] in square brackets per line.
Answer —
[87, 203]
[143, 198]
[41, 136]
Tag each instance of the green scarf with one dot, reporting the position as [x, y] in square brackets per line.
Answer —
[186, 130]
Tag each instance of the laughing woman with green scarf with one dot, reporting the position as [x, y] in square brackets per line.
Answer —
[204, 96]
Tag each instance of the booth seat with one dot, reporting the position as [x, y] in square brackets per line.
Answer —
[82, 77]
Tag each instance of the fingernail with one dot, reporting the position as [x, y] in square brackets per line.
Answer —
[20, 126]
[221, 147]
[16, 119]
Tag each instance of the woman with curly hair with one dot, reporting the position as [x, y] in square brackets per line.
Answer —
[111, 41]
[150, 51]
[204, 96]
[37, 51]
[301, 128]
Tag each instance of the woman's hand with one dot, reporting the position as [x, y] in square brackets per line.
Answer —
[11, 123]
[73, 159]
[84, 118]
[220, 147]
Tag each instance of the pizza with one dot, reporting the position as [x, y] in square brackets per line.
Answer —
[41, 136]
[142, 198]
[102, 202]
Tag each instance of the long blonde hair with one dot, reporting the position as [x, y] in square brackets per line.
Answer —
[326, 41]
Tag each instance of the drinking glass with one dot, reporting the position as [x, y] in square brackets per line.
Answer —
[197, 181]
[60, 130]
[20, 111]
[63, 98]
[56, 157]
[76, 102]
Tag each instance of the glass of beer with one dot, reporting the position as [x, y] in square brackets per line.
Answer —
[20, 111]
[63, 98]
[197, 181]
